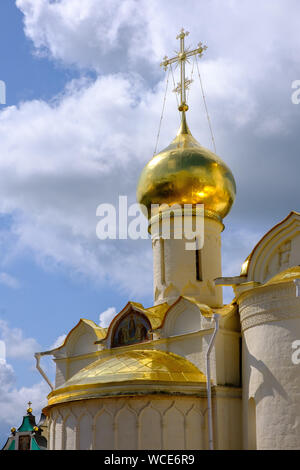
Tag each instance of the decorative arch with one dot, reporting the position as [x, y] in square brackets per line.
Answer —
[126, 428]
[173, 429]
[58, 432]
[171, 291]
[131, 328]
[104, 430]
[70, 432]
[50, 434]
[194, 429]
[85, 431]
[278, 250]
[150, 428]
[182, 317]
[81, 339]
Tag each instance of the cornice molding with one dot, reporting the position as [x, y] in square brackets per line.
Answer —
[269, 305]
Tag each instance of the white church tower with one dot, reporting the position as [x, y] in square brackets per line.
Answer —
[185, 173]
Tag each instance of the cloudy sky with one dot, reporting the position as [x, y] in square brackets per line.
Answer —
[84, 98]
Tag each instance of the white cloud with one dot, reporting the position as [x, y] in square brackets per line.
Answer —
[106, 317]
[7, 376]
[62, 161]
[9, 281]
[2, 350]
[17, 346]
[59, 160]
[78, 32]
[13, 400]
[13, 403]
[58, 342]
[115, 32]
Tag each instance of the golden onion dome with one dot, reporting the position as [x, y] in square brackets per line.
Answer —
[187, 173]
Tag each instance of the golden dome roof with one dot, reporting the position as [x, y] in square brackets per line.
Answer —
[130, 371]
[187, 173]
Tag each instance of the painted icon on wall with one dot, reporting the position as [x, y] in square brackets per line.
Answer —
[133, 328]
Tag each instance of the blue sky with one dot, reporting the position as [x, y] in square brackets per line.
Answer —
[27, 77]
[42, 294]
[48, 301]
[84, 97]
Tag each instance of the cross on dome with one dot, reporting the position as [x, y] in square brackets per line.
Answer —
[181, 58]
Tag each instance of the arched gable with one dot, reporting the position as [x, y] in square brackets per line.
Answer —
[131, 328]
[81, 339]
[184, 316]
[278, 250]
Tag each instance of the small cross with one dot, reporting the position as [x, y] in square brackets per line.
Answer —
[29, 404]
[181, 58]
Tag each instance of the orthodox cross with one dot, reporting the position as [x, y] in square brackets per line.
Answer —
[181, 58]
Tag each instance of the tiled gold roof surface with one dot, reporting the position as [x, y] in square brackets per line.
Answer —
[131, 367]
[157, 314]
[138, 365]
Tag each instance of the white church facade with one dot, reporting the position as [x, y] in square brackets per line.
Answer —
[189, 372]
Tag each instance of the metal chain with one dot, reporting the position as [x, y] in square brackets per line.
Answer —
[174, 89]
[188, 92]
[205, 105]
[162, 113]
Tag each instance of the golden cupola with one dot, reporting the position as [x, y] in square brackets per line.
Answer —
[185, 172]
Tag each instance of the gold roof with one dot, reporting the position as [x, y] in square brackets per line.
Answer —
[133, 367]
[187, 173]
[99, 331]
[156, 314]
[244, 268]
[287, 275]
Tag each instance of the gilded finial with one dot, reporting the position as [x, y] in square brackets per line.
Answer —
[29, 409]
[184, 128]
[181, 58]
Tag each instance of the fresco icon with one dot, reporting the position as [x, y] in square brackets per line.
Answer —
[133, 328]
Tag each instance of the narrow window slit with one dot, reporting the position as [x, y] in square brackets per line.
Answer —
[198, 255]
[162, 260]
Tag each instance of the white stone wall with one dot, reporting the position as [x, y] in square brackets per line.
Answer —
[129, 423]
[270, 319]
[150, 422]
